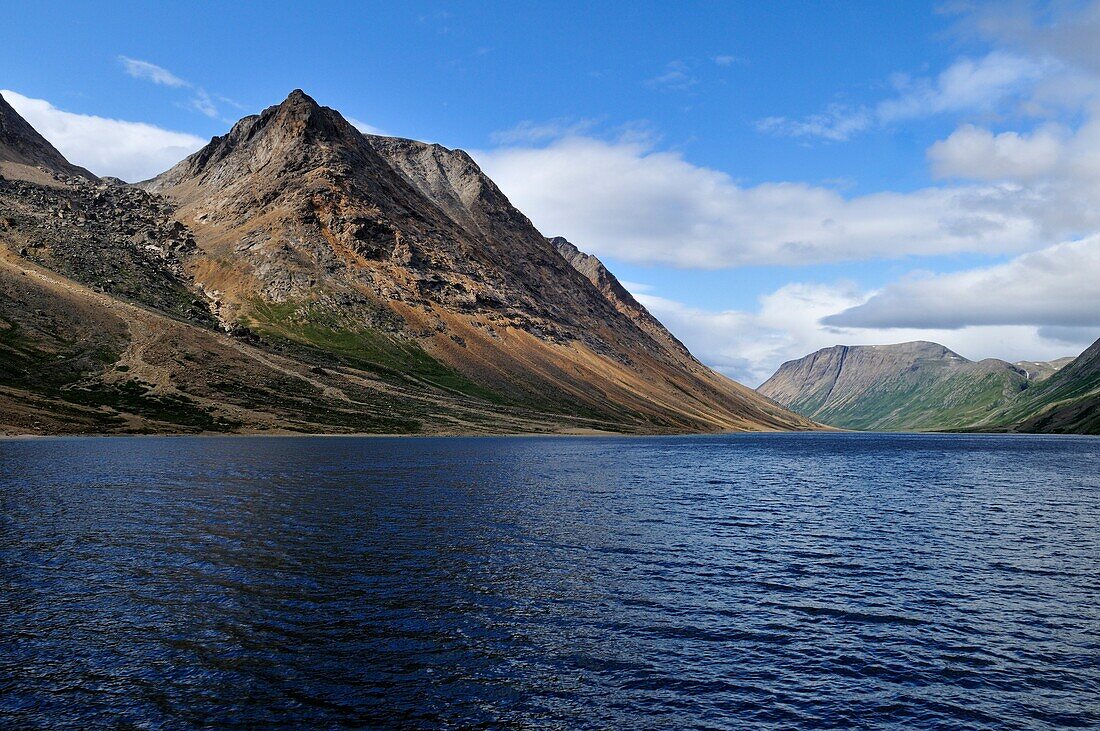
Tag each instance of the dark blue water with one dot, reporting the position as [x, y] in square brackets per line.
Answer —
[756, 582]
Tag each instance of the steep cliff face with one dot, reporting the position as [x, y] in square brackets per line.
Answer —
[26, 155]
[908, 386]
[295, 274]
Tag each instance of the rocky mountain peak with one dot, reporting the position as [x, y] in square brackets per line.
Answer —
[293, 136]
[300, 114]
[27, 155]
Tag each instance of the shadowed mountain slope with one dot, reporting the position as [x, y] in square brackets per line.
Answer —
[1066, 402]
[26, 155]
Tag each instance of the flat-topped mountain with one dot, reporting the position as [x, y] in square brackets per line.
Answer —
[26, 155]
[908, 386]
[924, 386]
[296, 274]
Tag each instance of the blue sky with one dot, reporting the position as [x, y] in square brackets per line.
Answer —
[750, 169]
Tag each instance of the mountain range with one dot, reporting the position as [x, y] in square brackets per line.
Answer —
[922, 386]
[296, 275]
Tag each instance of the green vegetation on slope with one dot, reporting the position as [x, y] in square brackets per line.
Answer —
[1066, 403]
[937, 403]
[389, 356]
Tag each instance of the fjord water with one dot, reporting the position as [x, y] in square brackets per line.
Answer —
[766, 581]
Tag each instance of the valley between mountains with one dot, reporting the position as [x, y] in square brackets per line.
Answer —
[296, 275]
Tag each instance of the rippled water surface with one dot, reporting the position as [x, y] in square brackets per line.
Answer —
[756, 582]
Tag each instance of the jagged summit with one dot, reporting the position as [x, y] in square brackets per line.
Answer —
[293, 134]
[24, 153]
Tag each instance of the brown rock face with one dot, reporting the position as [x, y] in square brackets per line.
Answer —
[26, 155]
[596, 273]
[301, 219]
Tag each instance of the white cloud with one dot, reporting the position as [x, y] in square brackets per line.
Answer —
[200, 101]
[625, 200]
[531, 131]
[128, 150]
[837, 123]
[1067, 30]
[1056, 287]
[677, 76]
[367, 129]
[750, 346]
[967, 86]
[151, 72]
[1052, 154]
[975, 153]
[727, 60]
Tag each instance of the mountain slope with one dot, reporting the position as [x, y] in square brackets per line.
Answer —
[315, 234]
[1068, 401]
[297, 275]
[909, 386]
[26, 155]
[595, 272]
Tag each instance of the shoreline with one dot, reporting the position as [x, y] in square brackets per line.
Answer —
[525, 435]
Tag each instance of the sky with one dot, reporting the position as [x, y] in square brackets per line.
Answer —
[767, 178]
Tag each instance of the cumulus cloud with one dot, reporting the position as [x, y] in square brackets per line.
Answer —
[1054, 287]
[1052, 153]
[625, 200]
[967, 85]
[1067, 30]
[975, 153]
[749, 346]
[128, 150]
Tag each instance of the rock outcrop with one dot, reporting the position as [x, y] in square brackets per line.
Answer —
[595, 272]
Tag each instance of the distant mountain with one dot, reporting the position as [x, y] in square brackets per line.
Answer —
[297, 275]
[26, 155]
[908, 386]
[1039, 370]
